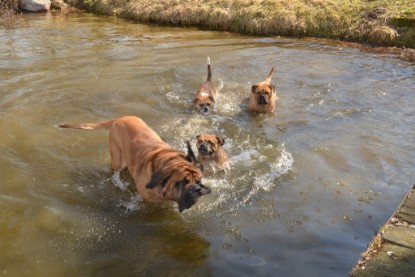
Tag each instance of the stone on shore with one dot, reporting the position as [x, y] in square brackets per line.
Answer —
[35, 5]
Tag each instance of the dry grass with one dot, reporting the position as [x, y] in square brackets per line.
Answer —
[352, 20]
[8, 13]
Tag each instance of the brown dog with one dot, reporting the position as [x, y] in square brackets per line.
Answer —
[205, 97]
[263, 96]
[211, 152]
[159, 171]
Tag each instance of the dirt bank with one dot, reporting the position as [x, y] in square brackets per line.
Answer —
[378, 22]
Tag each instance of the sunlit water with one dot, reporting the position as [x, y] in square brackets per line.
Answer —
[309, 184]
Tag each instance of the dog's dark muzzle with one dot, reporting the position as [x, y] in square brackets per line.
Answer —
[204, 148]
[262, 100]
[192, 195]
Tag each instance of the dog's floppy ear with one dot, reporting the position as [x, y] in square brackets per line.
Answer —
[195, 100]
[254, 88]
[197, 137]
[155, 180]
[220, 140]
[190, 154]
[211, 98]
[159, 178]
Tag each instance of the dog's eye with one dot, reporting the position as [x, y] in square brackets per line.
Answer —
[208, 104]
[201, 105]
[183, 182]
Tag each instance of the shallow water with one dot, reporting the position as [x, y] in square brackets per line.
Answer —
[309, 184]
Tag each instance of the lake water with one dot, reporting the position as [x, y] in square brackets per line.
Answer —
[309, 185]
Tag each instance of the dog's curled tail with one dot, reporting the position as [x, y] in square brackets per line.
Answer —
[268, 79]
[209, 77]
[89, 126]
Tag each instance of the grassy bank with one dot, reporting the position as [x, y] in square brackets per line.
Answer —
[8, 13]
[378, 22]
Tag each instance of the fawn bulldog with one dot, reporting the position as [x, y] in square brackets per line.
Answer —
[212, 153]
[204, 99]
[160, 172]
[263, 96]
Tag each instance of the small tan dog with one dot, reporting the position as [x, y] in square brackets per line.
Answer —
[204, 99]
[263, 96]
[160, 172]
[212, 153]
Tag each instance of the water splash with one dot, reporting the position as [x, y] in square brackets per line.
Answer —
[237, 190]
[280, 167]
[276, 169]
[132, 203]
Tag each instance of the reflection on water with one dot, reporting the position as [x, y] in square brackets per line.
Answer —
[310, 182]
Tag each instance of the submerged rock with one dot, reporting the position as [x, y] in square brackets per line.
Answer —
[35, 5]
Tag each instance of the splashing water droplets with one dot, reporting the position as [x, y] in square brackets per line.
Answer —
[132, 203]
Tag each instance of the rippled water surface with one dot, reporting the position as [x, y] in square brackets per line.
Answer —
[308, 188]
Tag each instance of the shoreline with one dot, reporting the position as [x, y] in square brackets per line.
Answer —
[376, 22]
[371, 25]
[392, 250]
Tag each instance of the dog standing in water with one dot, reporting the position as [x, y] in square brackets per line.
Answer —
[204, 99]
[211, 152]
[160, 172]
[263, 96]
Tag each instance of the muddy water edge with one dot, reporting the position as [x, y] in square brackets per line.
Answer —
[308, 188]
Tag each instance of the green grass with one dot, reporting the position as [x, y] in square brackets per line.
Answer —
[379, 22]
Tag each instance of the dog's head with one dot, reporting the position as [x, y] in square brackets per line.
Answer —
[180, 179]
[263, 93]
[208, 145]
[204, 103]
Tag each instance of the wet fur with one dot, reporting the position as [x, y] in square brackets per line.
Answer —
[205, 97]
[160, 172]
[211, 152]
[263, 96]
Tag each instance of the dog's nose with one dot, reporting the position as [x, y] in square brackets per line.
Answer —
[201, 189]
[203, 147]
[206, 109]
[262, 100]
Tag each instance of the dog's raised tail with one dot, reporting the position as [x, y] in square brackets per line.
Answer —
[209, 77]
[268, 79]
[89, 126]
